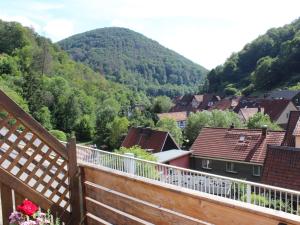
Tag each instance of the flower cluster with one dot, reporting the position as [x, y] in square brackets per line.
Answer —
[28, 214]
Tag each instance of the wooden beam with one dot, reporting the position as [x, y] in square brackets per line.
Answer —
[112, 215]
[94, 220]
[7, 203]
[75, 192]
[144, 210]
[210, 208]
[14, 109]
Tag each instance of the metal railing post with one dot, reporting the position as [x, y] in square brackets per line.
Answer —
[248, 193]
[130, 163]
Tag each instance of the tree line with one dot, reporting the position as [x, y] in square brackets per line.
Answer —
[270, 61]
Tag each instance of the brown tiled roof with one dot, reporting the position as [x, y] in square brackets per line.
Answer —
[246, 102]
[226, 104]
[282, 167]
[184, 103]
[146, 138]
[178, 116]
[223, 143]
[272, 107]
[289, 139]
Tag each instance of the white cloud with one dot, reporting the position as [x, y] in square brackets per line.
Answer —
[207, 32]
[44, 6]
[25, 21]
[58, 29]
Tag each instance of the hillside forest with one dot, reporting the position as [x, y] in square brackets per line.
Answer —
[130, 58]
[271, 61]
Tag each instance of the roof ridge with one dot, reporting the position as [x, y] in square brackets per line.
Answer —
[242, 129]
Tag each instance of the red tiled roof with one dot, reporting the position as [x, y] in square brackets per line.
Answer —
[146, 138]
[177, 116]
[223, 143]
[282, 167]
[289, 139]
[274, 107]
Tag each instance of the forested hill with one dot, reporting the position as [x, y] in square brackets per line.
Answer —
[130, 58]
[270, 61]
[63, 94]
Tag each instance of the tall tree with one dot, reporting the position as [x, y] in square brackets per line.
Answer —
[170, 125]
[118, 129]
[161, 104]
[260, 120]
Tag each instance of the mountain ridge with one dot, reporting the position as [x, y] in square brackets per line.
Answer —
[135, 60]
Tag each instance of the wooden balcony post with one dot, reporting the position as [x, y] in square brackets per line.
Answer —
[7, 203]
[74, 183]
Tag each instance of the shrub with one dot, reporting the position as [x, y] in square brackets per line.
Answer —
[60, 135]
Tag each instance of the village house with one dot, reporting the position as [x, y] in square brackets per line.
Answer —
[291, 137]
[179, 117]
[151, 140]
[282, 162]
[292, 95]
[227, 103]
[174, 157]
[194, 103]
[278, 109]
[282, 167]
[238, 153]
[246, 113]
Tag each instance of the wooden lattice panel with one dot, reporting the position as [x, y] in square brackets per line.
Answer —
[27, 157]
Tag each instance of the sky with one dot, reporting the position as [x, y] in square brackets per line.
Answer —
[205, 31]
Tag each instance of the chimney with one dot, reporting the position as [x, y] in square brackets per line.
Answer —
[264, 130]
[231, 126]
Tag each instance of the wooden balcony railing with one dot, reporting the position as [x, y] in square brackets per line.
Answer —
[35, 165]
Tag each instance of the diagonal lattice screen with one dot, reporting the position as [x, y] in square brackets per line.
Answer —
[27, 157]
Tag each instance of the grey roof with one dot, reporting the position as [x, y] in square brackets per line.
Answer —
[166, 156]
[286, 94]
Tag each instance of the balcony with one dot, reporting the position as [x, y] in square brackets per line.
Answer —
[149, 190]
[88, 186]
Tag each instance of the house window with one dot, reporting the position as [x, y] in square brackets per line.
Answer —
[182, 124]
[206, 163]
[230, 167]
[256, 171]
[287, 115]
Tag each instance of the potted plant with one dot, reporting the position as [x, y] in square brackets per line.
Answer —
[29, 214]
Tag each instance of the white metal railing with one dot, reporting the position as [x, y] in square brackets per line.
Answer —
[267, 196]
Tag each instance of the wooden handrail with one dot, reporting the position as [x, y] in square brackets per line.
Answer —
[13, 108]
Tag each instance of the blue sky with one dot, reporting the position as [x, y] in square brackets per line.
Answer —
[205, 31]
